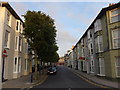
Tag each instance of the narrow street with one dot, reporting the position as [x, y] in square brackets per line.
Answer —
[65, 79]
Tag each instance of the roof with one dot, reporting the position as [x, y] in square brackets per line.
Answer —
[102, 12]
[12, 11]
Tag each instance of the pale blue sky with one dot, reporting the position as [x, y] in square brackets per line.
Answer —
[72, 19]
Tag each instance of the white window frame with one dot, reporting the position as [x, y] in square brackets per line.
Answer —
[114, 15]
[100, 66]
[15, 66]
[20, 44]
[8, 40]
[115, 38]
[92, 65]
[19, 64]
[116, 66]
[16, 43]
[98, 44]
[17, 26]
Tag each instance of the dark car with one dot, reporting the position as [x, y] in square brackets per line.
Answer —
[51, 70]
[55, 66]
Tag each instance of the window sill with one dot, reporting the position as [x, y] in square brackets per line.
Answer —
[116, 48]
[114, 22]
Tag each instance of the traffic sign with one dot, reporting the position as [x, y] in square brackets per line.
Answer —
[5, 53]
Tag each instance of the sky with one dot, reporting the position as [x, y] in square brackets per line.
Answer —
[71, 18]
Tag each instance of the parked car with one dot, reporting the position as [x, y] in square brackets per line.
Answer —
[51, 70]
[55, 66]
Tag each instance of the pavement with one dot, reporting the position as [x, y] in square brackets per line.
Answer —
[65, 79]
[98, 80]
[24, 81]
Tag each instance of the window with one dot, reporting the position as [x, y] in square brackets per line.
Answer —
[115, 15]
[91, 51]
[26, 65]
[118, 66]
[19, 64]
[90, 34]
[82, 42]
[97, 25]
[15, 64]
[16, 43]
[92, 66]
[116, 38]
[20, 44]
[17, 25]
[83, 52]
[99, 43]
[26, 48]
[20, 27]
[101, 67]
[8, 18]
[7, 39]
[96, 44]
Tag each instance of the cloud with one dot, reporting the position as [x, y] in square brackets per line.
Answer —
[65, 41]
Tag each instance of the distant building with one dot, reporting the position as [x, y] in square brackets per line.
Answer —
[61, 61]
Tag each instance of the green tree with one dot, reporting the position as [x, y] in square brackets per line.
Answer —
[40, 32]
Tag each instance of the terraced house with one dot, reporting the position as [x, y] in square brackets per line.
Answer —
[98, 50]
[16, 62]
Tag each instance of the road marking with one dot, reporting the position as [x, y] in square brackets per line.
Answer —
[90, 81]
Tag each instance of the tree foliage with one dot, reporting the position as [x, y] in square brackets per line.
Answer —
[40, 32]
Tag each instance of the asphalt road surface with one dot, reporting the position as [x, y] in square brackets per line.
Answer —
[65, 78]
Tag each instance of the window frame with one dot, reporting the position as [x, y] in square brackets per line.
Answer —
[113, 38]
[114, 15]
[116, 66]
[7, 44]
[98, 25]
[16, 43]
[20, 44]
[100, 66]
[17, 26]
[15, 66]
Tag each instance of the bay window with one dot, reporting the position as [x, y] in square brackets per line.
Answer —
[99, 43]
[97, 25]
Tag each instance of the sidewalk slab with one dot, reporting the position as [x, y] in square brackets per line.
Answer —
[95, 79]
[24, 82]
